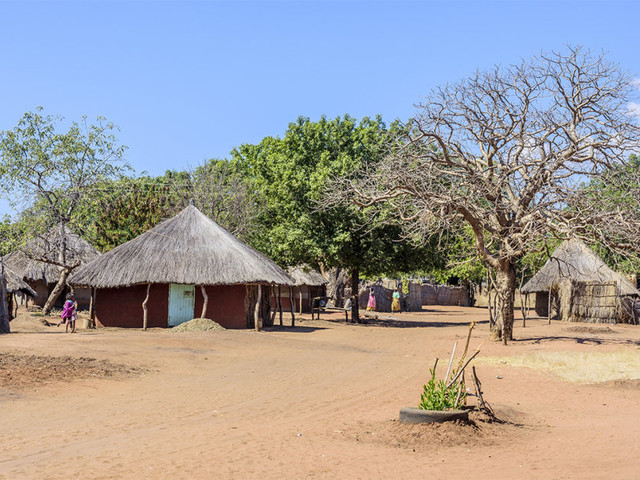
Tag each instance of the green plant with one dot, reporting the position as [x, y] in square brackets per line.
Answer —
[438, 395]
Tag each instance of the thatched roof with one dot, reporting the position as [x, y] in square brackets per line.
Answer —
[16, 284]
[189, 248]
[23, 262]
[305, 275]
[574, 260]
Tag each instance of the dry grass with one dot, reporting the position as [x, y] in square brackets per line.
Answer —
[577, 367]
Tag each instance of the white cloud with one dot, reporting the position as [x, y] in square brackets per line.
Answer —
[634, 109]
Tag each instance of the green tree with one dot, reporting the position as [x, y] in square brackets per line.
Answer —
[299, 224]
[56, 169]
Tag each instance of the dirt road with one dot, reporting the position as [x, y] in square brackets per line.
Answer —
[317, 401]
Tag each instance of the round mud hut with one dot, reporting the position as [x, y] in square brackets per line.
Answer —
[43, 276]
[576, 285]
[309, 284]
[184, 268]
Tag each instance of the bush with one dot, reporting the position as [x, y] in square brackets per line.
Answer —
[436, 395]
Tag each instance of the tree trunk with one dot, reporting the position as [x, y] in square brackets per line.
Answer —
[505, 292]
[355, 287]
[57, 290]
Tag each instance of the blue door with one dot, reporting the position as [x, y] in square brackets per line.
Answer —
[181, 303]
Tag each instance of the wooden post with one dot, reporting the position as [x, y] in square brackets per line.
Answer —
[256, 312]
[92, 307]
[205, 301]
[300, 298]
[15, 303]
[280, 303]
[293, 316]
[144, 308]
[275, 304]
[549, 305]
[4, 307]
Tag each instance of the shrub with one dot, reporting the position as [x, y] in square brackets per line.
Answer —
[436, 395]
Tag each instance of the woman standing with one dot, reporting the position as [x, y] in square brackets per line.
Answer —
[395, 301]
[371, 305]
[69, 314]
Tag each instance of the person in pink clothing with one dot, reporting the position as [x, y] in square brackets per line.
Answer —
[372, 301]
[69, 314]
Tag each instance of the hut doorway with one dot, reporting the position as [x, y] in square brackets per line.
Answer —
[181, 303]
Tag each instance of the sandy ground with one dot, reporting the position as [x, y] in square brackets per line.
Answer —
[317, 401]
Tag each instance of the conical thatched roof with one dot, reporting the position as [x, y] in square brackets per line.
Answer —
[189, 248]
[16, 284]
[78, 250]
[574, 260]
[305, 275]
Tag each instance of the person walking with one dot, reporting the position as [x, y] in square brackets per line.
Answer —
[69, 313]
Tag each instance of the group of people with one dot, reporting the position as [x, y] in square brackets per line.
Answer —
[395, 301]
[69, 314]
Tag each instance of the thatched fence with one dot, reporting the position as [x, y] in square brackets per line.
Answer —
[591, 302]
[445, 295]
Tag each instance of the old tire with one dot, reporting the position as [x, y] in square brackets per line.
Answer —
[417, 415]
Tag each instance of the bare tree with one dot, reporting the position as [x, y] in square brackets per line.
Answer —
[505, 151]
[40, 165]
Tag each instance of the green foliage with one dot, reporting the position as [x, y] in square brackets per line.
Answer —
[128, 207]
[51, 172]
[291, 176]
[436, 395]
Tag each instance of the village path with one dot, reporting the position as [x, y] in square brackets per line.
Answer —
[318, 401]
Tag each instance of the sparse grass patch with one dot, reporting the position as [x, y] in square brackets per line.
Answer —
[577, 367]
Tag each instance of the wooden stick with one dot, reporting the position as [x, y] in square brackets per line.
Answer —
[144, 308]
[205, 302]
[466, 346]
[453, 352]
[462, 387]
[462, 369]
[482, 405]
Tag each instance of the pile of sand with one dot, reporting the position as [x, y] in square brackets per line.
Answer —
[26, 322]
[198, 325]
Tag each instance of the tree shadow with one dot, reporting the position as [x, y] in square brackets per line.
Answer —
[296, 329]
[393, 323]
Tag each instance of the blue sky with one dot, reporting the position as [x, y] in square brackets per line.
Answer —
[188, 81]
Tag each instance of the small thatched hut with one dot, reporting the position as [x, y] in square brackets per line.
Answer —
[182, 267]
[576, 285]
[15, 286]
[42, 276]
[309, 284]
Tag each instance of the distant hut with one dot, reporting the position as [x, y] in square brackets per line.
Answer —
[309, 284]
[15, 286]
[576, 285]
[185, 267]
[42, 276]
